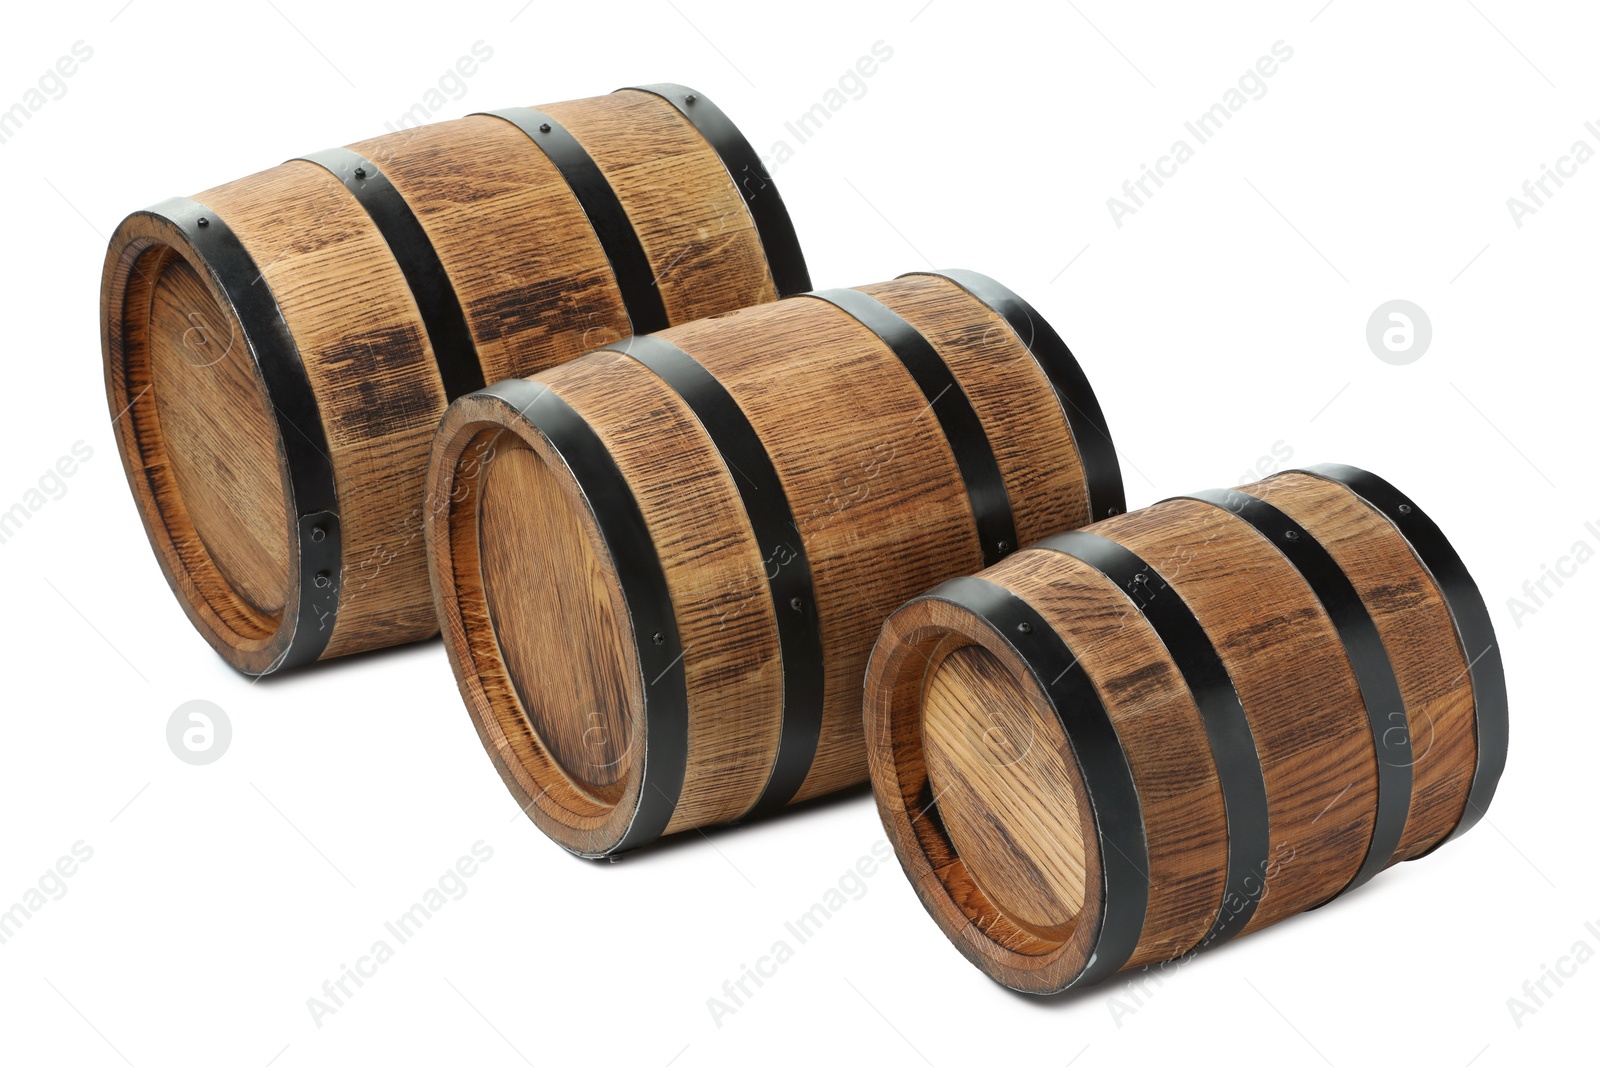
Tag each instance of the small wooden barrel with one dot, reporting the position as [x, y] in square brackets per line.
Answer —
[1136, 740]
[279, 350]
[663, 565]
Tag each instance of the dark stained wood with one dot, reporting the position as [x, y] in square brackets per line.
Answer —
[978, 842]
[536, 290]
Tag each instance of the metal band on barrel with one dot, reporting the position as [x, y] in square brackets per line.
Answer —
[397, 224]
[1369, 660]
[788, 571]
[1473, 627]
[963, 429]
[636, 279]
[1101, 471]
[313, 496]
[644, 589]
[1107, 778]
[1233, 746]
[773, 225]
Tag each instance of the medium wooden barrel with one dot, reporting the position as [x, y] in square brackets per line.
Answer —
[663, 565]
[1139, 739]
[279, 350]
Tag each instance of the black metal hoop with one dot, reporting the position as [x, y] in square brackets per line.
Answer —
[636, 279]
[1107, 778]
[1101, 471]
[1369, 660]
[644, 589]
[397, 224]
[1233, 746]
[1474, 629]
[773, 225]
[314, 499]
[963, 430]
[788, 570]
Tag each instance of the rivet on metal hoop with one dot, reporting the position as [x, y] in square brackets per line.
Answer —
[691, 98]
[1405, 509]
[1291, 535]
[1024, 627]
[323, 580]
[658, 638]
[796, 603]
[319, 533]
[202, 222]
[544, 127]
[361, 173]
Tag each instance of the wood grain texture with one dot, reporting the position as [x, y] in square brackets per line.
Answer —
[373, 371]
[219, 437]
[478, 431]
[1411, 616]
[915, 640]
[1032, 441]
[879, 506]
[524, 261]
[540, 563]
[715, 574]
[535, 288]
[690, 217]
[1004, 789]
[876, 494]
[137, 341]
[1294, 681]
[1161, 732]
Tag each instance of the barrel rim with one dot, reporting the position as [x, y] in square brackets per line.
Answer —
[204, 241]
[663, 711]
[1473, 625]
[1004, 622]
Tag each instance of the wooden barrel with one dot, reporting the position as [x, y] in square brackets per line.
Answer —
[663, 565]
[279, 350]
[1139, 739]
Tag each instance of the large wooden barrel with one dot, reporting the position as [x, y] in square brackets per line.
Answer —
[279, 350]
[1142, 738]
[663, 565]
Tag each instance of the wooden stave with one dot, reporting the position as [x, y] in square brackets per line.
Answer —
[441, 535]
[387, 550]
[1428, 551]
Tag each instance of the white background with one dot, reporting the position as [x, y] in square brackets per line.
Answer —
[1225, 317]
